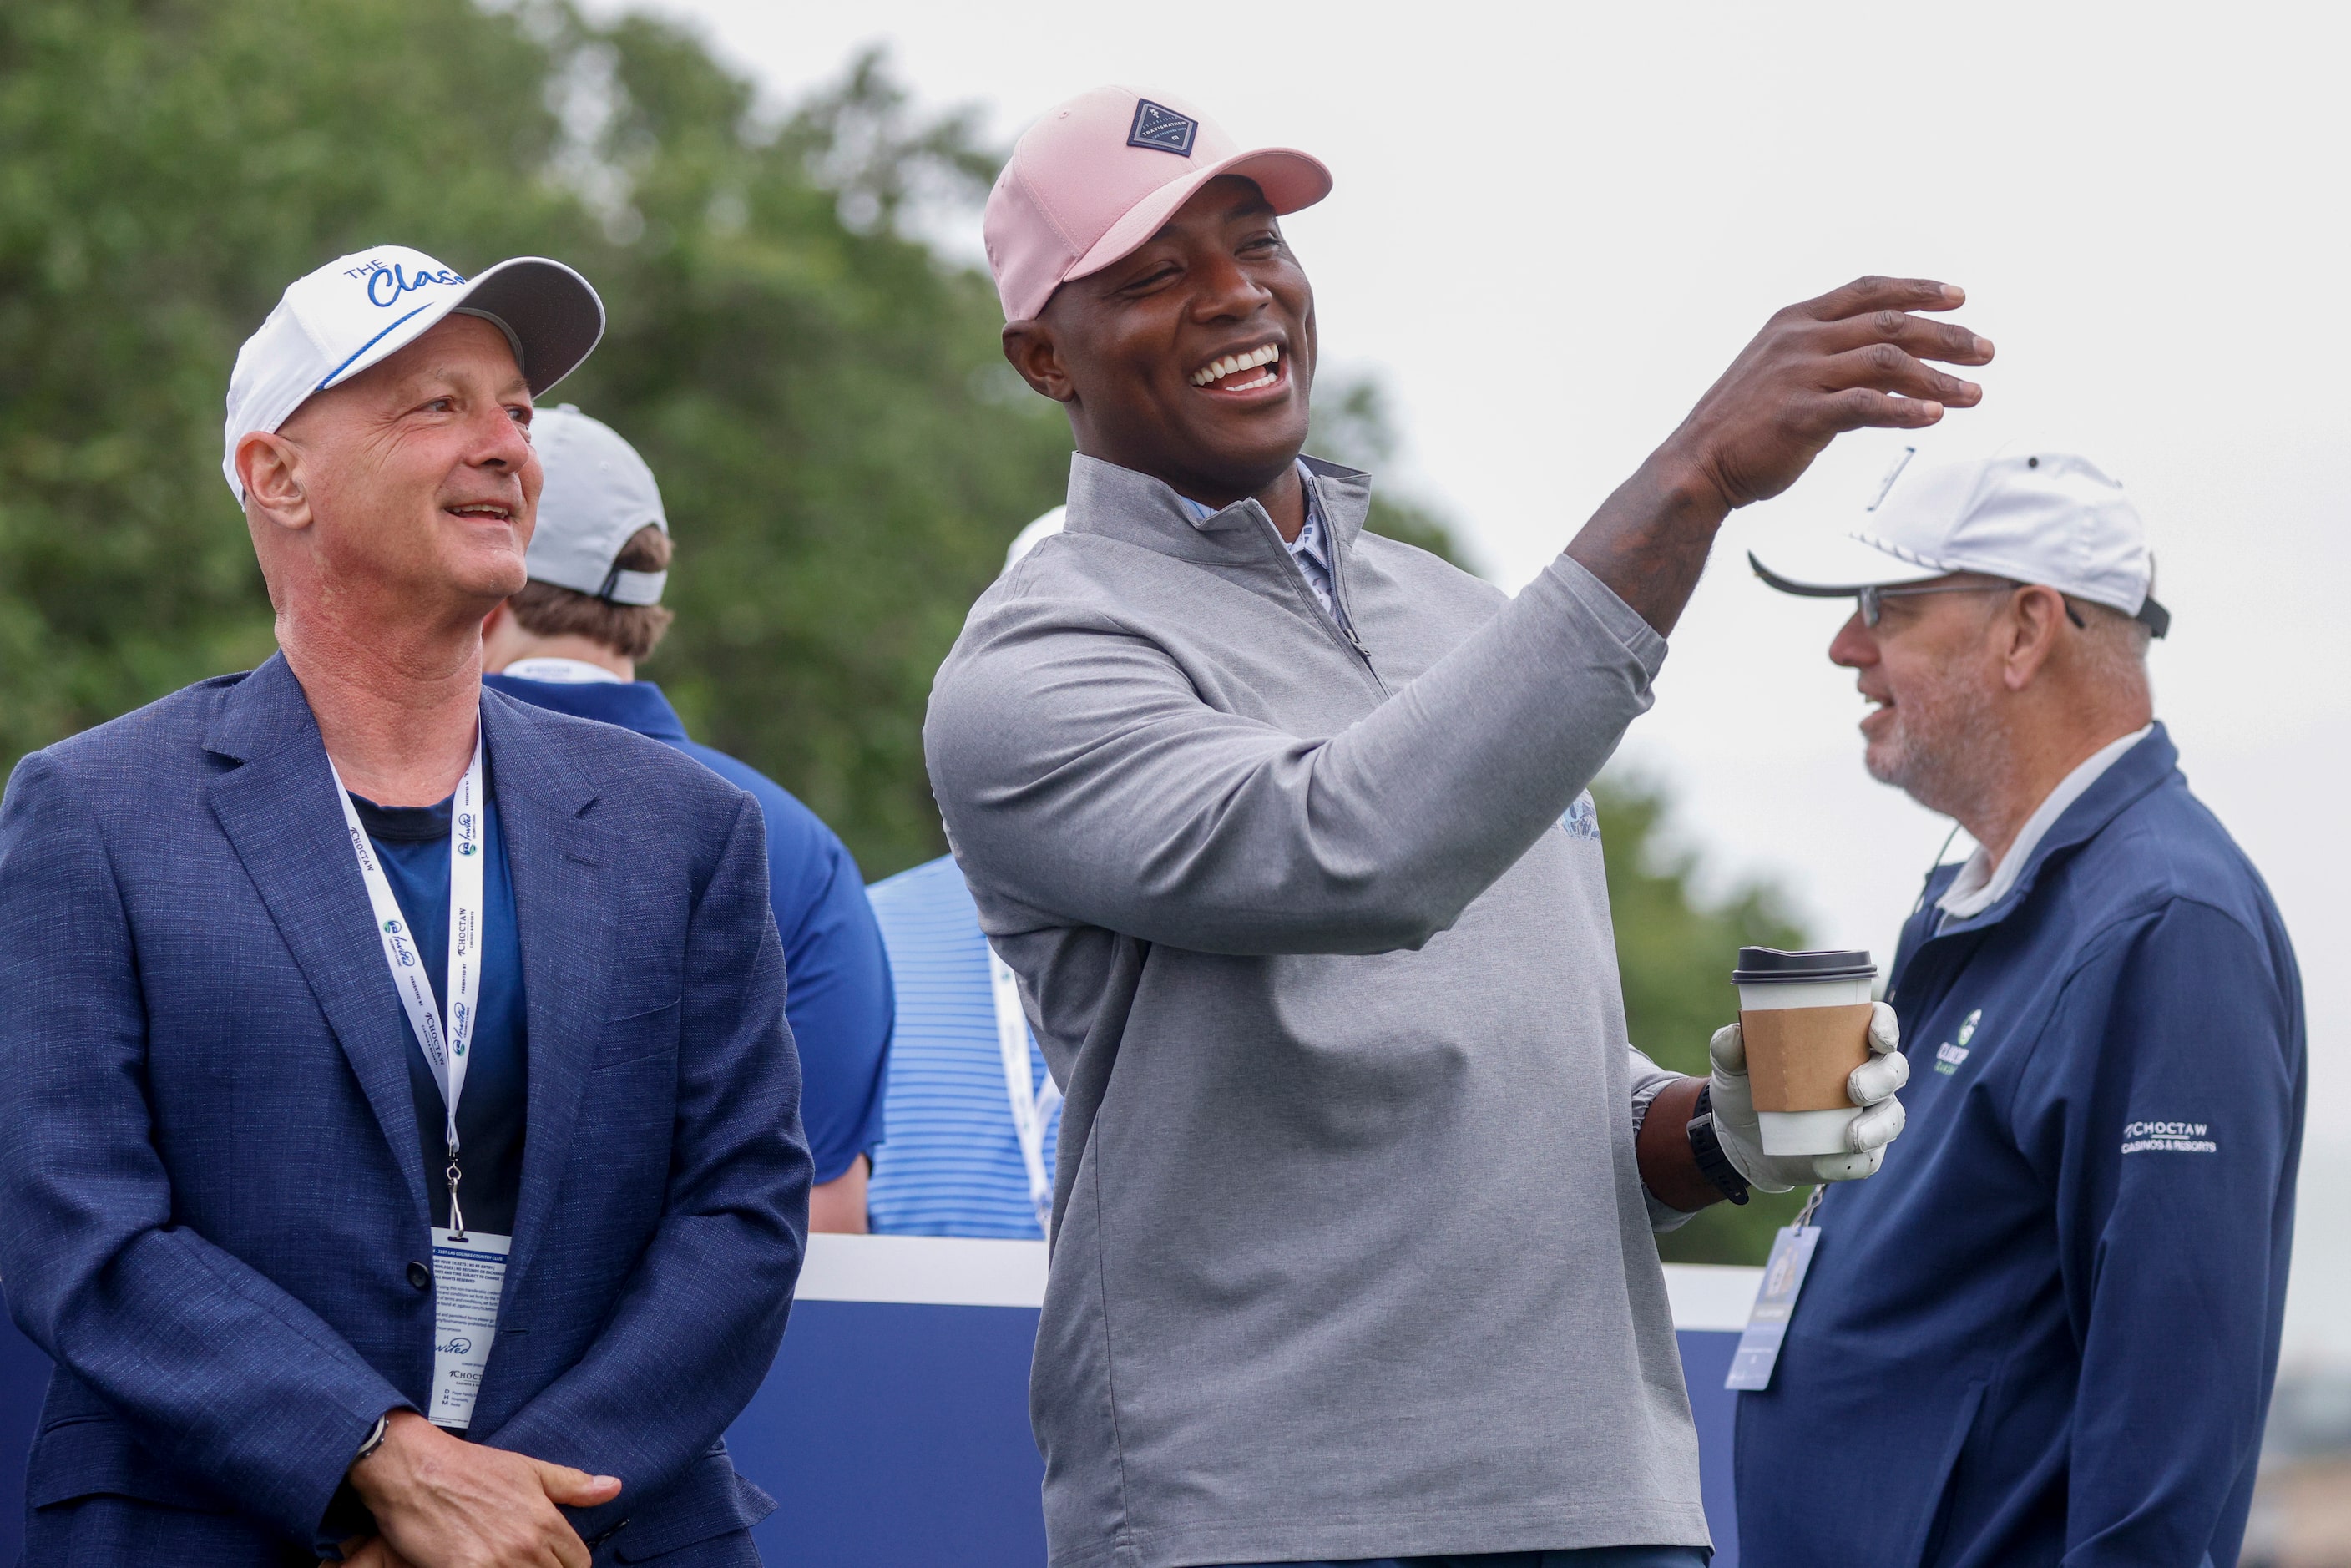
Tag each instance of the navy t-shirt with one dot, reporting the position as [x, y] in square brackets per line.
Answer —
[413, 843]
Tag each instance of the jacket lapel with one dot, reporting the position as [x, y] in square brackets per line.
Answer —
[565, 915]
[279, 813]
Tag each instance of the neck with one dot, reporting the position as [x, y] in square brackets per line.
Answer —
[2037, 766]
[1284, 501]
[397, 705]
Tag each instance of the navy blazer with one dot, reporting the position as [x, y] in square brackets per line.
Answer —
[212, 1203]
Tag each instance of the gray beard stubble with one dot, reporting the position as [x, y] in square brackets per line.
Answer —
[1946, 752]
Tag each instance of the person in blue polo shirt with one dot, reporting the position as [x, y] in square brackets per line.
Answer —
[2055, 1313]
[569, 640]
[975, 1118]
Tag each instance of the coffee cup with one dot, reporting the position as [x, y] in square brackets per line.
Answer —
[1805, 1020]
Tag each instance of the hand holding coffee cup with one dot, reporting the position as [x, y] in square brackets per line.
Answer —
[1803, 1085]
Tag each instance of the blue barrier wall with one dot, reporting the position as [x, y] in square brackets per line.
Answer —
[895, 1433]
[897, 1437]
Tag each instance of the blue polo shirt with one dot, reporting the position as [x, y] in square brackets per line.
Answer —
[838, 1000]
[2045, 1332]
[951, 1164]
[411, 844]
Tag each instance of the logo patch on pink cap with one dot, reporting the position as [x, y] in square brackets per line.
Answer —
[1160, 127]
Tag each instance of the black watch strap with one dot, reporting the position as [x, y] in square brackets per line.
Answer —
[1707, 1149]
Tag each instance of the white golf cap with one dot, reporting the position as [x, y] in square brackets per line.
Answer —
[363, 307]
[2029, 514]
[598, 494]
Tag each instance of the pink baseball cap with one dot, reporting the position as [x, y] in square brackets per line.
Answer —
[1096, 177]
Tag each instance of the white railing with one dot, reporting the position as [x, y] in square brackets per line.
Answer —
[954, 1272]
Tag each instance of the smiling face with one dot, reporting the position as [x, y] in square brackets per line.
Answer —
[414, 479]
[1190, 359]
[1931, 670]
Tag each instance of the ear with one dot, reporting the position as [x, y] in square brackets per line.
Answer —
[2035, 621]
[275, 484]
[1029, 348]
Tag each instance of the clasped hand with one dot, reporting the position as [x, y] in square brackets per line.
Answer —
[442, 1502]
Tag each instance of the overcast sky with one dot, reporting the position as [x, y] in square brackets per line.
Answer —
[1554, 224]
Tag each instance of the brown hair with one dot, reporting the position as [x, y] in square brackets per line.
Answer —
[631, 631]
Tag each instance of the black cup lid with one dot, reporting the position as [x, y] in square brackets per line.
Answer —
[1763, 966]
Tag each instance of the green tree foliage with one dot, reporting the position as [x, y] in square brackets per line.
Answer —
[843, 451]
[1674, 950]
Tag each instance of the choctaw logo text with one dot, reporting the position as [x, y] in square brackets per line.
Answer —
[2169, 1138]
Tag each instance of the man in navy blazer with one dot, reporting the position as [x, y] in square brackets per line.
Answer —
[223, 1207]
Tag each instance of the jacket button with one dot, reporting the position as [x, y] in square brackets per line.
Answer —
[419, 1276]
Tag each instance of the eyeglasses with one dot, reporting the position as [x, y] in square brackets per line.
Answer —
[1873, 599]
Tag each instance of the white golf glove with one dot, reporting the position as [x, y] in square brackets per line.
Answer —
[1871, 1086]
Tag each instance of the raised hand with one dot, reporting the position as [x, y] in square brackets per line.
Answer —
[442, 1502]
[1857, 356]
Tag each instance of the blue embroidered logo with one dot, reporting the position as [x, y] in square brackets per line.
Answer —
[1582, 819]
[1162, 129]
[385, 285]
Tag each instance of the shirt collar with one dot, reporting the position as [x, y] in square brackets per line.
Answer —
[1980, 884]
[562, 672]
[638, 705]
[1120, 504]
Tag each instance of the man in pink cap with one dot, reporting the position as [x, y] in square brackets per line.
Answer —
[1283, 828]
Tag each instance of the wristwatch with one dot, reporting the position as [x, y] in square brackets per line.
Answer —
[1707, 1149]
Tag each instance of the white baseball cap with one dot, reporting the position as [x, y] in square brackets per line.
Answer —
[596, 494]
[365, 307]
[2029, 514]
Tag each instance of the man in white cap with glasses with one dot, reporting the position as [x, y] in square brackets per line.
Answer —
[401, 1158]
[2056, 1314]
[1283, 829]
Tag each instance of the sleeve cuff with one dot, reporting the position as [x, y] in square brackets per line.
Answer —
[1648, 1081]
[1619, 619]
[1664, 1217]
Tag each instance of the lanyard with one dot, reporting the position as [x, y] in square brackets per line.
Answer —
[444, 1050]
[1030, 1111]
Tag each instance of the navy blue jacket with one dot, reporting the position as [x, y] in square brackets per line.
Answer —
[2045, 1333]
[840, 1003]
[212, 1198]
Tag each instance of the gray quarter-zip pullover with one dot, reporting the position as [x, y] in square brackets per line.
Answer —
[1350, 1254]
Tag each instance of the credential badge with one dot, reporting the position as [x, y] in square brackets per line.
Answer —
[1162, 129]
